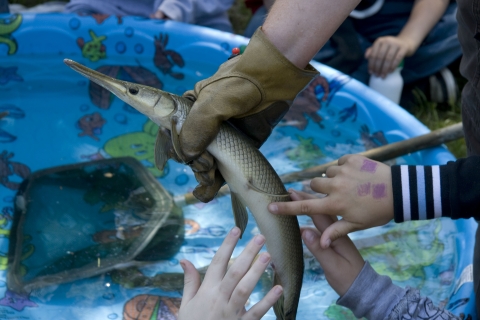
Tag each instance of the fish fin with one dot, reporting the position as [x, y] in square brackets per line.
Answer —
[176, 141]
[278, 307]
[163, 145]
[253, 187]
[239, 213]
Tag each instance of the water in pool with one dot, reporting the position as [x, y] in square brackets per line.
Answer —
[56, 117]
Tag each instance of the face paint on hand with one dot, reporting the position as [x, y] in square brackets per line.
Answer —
[363, 189]
[379, 191]
[369, 166]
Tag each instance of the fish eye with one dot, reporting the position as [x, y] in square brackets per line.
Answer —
[133, 91]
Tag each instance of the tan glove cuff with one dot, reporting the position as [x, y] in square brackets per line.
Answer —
[276, 77]
[253, 81]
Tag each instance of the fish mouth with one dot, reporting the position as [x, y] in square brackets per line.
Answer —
[111, 84]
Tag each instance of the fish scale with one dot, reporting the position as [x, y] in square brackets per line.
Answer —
[241, 151]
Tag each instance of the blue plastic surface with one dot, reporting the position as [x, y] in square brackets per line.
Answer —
[56, 118]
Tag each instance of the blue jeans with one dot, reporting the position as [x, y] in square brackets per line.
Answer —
[4, 6]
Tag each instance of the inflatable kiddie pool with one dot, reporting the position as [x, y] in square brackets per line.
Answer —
[57, 118]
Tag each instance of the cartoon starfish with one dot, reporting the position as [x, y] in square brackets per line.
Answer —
[9, 74]
[93, 49]
[16, 301]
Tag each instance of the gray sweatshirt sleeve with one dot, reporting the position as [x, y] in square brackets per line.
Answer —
[375, 297]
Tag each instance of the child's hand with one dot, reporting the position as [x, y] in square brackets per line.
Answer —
[158, 15]
[386, 53]
[341, 262]
[358, 189]
[223, 294]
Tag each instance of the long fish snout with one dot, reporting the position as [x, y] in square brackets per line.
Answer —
[152, 102]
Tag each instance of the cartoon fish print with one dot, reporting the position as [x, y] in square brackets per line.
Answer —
[91, 125]
[10, 168]
[9, 74]
[307, 105]
[151, 307]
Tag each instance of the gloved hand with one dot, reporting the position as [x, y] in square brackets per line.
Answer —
[253, 91]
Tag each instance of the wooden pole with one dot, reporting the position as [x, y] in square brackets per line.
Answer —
[383, 153]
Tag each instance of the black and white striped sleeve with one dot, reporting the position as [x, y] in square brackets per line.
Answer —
[429, 192]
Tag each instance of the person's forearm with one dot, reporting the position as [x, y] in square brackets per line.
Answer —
[299, 28]
[371, 295]
[375, 297]
[425, 15]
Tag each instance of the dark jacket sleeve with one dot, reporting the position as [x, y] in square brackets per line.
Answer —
[428, 192]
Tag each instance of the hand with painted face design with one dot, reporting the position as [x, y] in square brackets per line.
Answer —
[358, 189]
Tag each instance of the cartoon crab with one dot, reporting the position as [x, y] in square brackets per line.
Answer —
[165, 59]
[9, 168]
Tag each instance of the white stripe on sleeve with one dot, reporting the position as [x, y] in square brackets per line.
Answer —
[437, 192]
[407, 214]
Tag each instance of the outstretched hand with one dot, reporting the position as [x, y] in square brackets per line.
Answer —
[341, 262]
[358, 189]
[224, 293]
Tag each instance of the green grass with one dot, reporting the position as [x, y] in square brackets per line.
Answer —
[433, 115]
[436, 116]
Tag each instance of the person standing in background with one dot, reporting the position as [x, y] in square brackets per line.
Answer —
[212, 13]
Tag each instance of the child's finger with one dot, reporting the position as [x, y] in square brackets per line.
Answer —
[191, 281]
[218, 267]
[324, 185]
[302, 207]
[336, 230]
[241, 265]
[261, 307]
[322, 221]
[368, 53]
[342, 160]
[388, 59]
[296, 195]
[327, 257]
[245, 287]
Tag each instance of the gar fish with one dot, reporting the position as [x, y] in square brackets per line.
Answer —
[252, 181]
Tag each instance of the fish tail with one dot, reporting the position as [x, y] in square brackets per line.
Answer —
[282, 311]
[278, 308]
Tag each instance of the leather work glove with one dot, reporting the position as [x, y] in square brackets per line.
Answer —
[253, 91]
